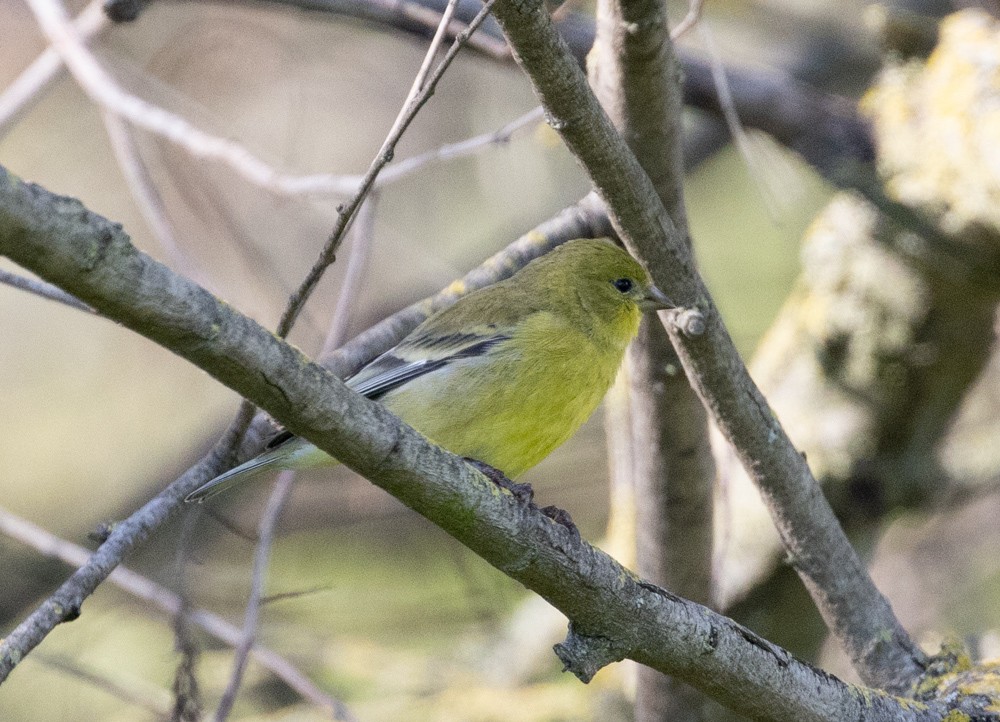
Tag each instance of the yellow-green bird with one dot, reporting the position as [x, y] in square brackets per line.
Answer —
[507, 373]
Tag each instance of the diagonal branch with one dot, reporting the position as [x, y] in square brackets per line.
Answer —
[854, 609]
[422, 90]
[615, 615]
[172, 604]
[43, 290]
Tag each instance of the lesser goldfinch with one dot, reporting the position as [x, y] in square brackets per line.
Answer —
[509, 372]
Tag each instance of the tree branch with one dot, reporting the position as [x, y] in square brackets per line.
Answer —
[666, 454]
[854, 609]
[171, 604]
[92, 258]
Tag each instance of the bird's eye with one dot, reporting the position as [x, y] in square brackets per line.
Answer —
[623, 284]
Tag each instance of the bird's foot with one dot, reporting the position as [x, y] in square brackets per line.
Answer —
[522, 492]
[561, 516]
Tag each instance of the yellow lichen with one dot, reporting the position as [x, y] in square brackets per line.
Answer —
[950, 108]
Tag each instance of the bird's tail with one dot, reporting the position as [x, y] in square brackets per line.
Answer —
[236, 475]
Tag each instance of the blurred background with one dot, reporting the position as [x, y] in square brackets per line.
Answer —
[377, 606]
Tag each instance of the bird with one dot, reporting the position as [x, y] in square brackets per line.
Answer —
[508, 372]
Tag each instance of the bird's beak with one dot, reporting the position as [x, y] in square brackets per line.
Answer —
[654, 300]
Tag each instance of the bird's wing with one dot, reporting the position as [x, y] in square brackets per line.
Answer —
[415, 356]
[421, 354]
[455, 333]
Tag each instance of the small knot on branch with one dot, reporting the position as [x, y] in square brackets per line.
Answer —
[690, 321]
[586, 655]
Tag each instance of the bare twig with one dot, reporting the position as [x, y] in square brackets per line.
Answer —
[450, 151]
[420, 81]
[147, 700]
[32, 83]
[169, 602]
[43, 289]
[733, 123]
[104, 91]
[144, 191]
[363, 238]
[248, 638]
[689, 20]
[382, 158]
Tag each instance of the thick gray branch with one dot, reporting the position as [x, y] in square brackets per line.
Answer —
[93, 259]
[854, 609]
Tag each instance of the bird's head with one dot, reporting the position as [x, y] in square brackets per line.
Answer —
[601, 285]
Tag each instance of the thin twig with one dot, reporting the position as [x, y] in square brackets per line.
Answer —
[147, 701]
[733, 122]
[43, 289]
[688, 21]
[450, 151]
[170, 603]
[382, 158]
[327, 184]
[419, 82]
[103, 90]
[248, 637]
[144, 191]
[34, 80]
[362, 240]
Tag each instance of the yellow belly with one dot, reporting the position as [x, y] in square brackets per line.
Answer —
[511, 408]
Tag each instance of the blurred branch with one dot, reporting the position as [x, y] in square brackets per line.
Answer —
[248, 637]
[144, 191]
[187, 695]
[421, 17]
[614, 614]
[854, 609]
[148, 701]
[450, 151]
[35, 80]
[362, 241]
[688, 22]
[43, 289]
[420, 92]
[664, 452]
[826, 130]
[104, 91]
[171, 603]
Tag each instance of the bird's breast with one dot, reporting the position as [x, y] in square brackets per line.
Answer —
[512, 406]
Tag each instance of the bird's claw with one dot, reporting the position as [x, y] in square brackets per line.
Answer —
[522, 492]
[561, 516]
